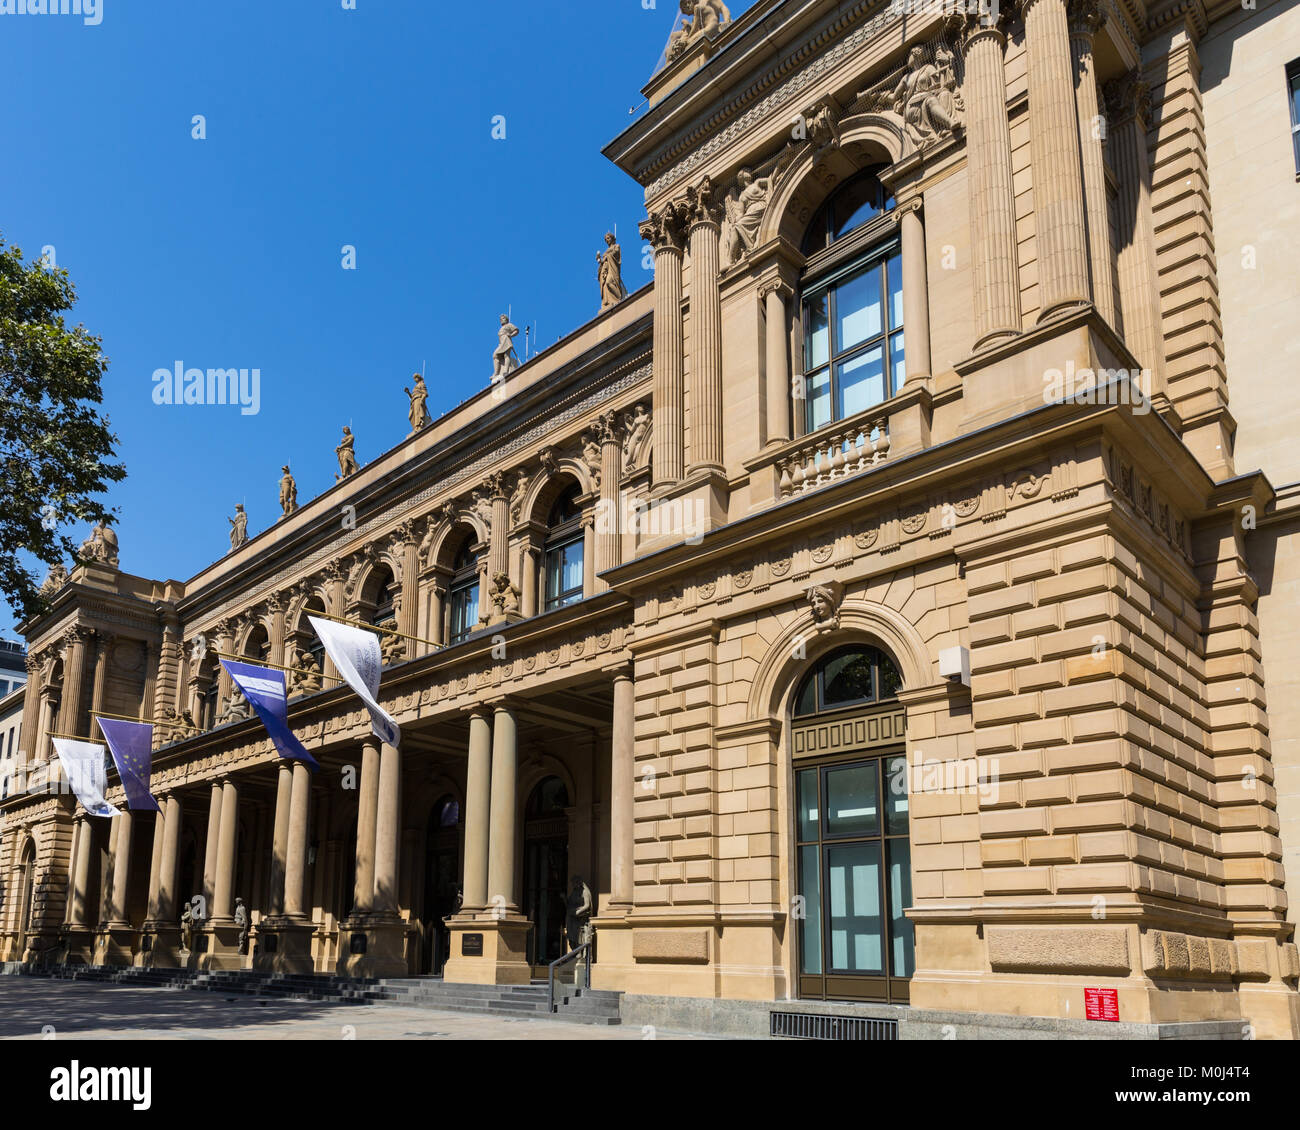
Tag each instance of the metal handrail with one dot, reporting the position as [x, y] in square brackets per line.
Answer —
[583, 951]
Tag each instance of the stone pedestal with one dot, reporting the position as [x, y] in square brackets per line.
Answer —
[372, 947]
[164, 947]
[683, 512]
[284, 946]
[223, 948]
[115, 946]
[488, 950]
[80, 945]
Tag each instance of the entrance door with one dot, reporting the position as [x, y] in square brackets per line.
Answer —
[546, 871]
[441, 883]
[854, 864]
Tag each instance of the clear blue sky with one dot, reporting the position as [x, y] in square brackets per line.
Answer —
[325, 127]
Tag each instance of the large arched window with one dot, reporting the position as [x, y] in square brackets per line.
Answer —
[462, 599]
[563, 552]
[852, 304]
[852, 842]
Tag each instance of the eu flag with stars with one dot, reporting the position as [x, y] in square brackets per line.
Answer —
[265, 690]
[131, 744]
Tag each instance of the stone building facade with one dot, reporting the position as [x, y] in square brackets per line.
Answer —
[812, 604]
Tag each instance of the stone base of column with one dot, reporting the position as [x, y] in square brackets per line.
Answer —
[222, 950]
[505, 619]
[160, 946]
[910, 413]
[284, 946]
[79, 945]
[684, 511]
[115, 945]
[488, 950]
[372, 947]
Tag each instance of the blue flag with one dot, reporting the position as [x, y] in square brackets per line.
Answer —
[265, 690]
[131, 744]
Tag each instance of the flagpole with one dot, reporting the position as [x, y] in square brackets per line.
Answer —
[70, 737]
[373, 628]
[276, 666]
[127, 718]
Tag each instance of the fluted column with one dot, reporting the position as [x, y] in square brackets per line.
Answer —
[408, 615]
[225, 644]
[211, 846]
[81, 883]
[74, 669]
[776, 294]
[168, 878]
[388, 830]
[72, 875]
[363, 896]
[121, 868]
[1087, 18]
[478, 800]
[335, 582]
[1128, 109]
[995, 271]
[531, 566]
[622, 791]
[663, 231]
[1062, 232]
[916, 295]
[501, 856]
[280, 836]
[103, 645]
[223, 900]
[609, 544]
[295, 872]
[155, 860]
[30, 727]
[706, 332]
[278, 606]
[499, 545]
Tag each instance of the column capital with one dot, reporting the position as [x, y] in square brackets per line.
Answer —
[700, 210]
[665, 230]
[775, 285]
[1087, 17]
[1128, 96]
[970, 27]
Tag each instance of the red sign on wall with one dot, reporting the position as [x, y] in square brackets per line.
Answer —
[1101, 1004]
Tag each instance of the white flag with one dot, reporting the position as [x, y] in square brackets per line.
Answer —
[359, 660]
[83, 764]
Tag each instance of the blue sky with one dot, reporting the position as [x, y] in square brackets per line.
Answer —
[325, 127]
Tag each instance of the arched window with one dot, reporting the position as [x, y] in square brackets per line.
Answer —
[852, 304]
[852, 676]
[309, 643]
[257, 648]
[564, 564]
[462, 600]
[380, 601]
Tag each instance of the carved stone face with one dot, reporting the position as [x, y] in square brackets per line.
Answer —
[822, 608]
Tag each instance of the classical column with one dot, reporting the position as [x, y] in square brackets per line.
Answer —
[1062, 232]
[437, 603]
[168, 879]
[335, 580]
[103, 645]
[280, 837]
[531, 558]
[74, 862]
[408, 614]
[501, 856]
[498, 491]
[223, 901]
[156, 860]
[213, 842]
[49, 722]
[388, 830]
[478, 797]
[706, 332]
[278, 604]
[74, 668]
[916, 295]
[609, 541]
[622, 790]
[1086, 19]
[30, 726]
[295, 874]
[995, 272]
[121, 868]
[663, 231]
[364, 891]
[1128, 110]
[226, 645]
[81, 883]
[776, 294]
[588, 554]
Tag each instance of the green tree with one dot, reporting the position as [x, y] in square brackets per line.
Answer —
[56, 450]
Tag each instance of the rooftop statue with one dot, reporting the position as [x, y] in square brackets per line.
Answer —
[101, 545]
[288, 492]
[57, 578]
[419, 414]
[706, 19]
[238, 527]
[504, 359]
[609, 271]
[347, 456]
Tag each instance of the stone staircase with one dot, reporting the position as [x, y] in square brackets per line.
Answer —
[574, 1004]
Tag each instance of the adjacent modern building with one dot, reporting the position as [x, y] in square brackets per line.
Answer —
[891, 611]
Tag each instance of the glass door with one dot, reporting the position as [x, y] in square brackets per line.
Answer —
[854, 870]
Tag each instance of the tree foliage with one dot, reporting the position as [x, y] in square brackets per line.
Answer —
[56, 450]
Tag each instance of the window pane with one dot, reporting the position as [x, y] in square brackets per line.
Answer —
[810, 929]
[891, 682]
[861, 383]
[902, 959]
[848, 679]
[856, 204]
[1295, 98]
[896, 360]
[807, 703]
[896, 796]
[894, 274]
[855, 924]
[857, 309]
[817, 341]
[808, 815]
[819, 399]
[852, 807]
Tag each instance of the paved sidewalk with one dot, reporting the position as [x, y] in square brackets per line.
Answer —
[34, 1009]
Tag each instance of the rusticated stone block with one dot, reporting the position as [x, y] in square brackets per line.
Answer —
[1080, 949]
[689, 946]
[1252, 959]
